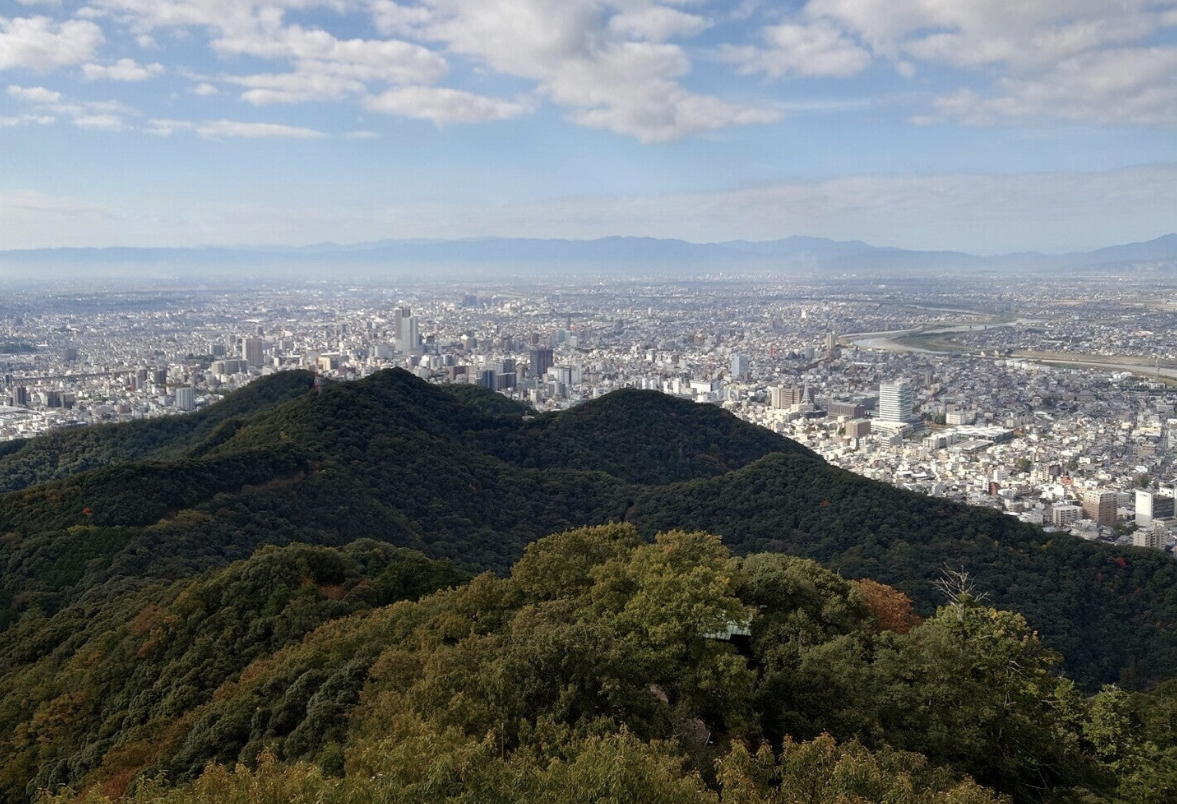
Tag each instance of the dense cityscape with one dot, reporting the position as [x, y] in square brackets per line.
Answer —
[1017, 395]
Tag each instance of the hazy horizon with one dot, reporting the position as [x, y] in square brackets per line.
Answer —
[327, 246]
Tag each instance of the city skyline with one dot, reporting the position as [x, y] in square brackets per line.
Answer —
[915, 124]
[1006, 394]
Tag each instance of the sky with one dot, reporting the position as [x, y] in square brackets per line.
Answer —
[980, 125]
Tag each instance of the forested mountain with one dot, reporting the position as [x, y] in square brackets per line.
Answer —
[603, 668]
[462, 474]
[133, 644]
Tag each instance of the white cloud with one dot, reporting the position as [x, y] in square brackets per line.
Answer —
[394, 18]
[325, 67]
[204, 89]
[658, 23]
[1046, 60]
[621, 64]
[39, 43]
[581, 62]
[367, 59]
[268, 88]
[1031, 32]
[814, 49]
[34, 94]
[105, 122]
[1130, 86]
[121, 70]
[145, 16]
[165, 128]
[217, 129]
[26, 119]
[443, 105]
[50, 104]
[607, 62]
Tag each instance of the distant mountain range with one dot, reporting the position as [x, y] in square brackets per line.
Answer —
[482, 255]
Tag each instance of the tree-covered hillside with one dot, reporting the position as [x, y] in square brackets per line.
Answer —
[67, 452]
[604, 667]
[106, 680]
[463, 475]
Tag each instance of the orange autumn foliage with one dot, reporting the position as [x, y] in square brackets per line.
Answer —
[890, 607]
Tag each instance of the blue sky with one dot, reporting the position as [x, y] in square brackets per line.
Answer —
[980, 125]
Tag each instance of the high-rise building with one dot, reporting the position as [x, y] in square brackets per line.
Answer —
[1151, 506]
[251, 351]
[400, 314]
[506, 366]
[410, 335]
[567, 375]
[541, 361]
[186, 398]
[896, 401]
[740, 367]
[1100, 506]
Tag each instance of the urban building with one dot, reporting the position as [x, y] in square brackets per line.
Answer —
[896, 401]
[1100, 505]
[1155, 536]
[251, 351]
[740, 366]
[846, 410]
[541, 361]
[858, 428]
[783, 397]
[1063, 516]
[410, 335]
[186, 398]
[1151, 506]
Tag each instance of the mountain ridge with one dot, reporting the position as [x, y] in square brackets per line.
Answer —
[796, 253]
